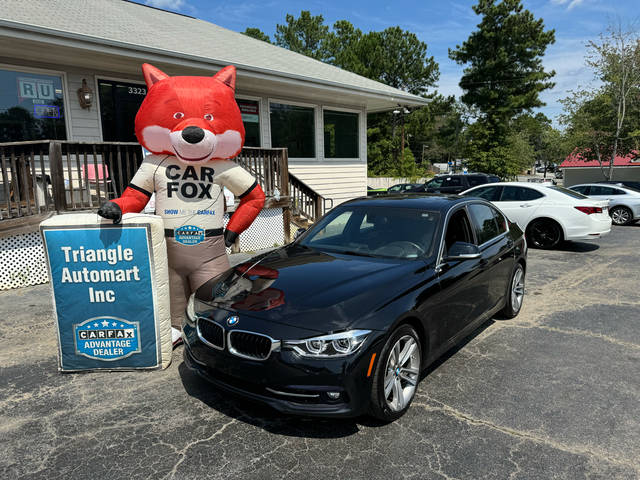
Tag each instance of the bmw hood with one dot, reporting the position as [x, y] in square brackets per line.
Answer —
[307, 288]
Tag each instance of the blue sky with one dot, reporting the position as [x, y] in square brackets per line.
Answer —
[440, 24]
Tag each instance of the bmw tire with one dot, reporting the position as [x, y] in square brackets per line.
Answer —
[396, 375]
[515, 293]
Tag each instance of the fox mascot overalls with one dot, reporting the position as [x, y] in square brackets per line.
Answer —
[193, 127]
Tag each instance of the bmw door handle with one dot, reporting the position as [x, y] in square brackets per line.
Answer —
[525, 205]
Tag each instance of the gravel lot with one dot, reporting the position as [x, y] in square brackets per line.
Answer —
[554, 393]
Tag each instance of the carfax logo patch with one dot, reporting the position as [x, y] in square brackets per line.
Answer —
[107, 338]
[189, 235]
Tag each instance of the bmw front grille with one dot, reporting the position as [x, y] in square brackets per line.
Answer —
[251, 345]
[210, 333]
[241, 343]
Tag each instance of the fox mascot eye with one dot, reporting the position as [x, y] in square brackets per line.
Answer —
[178, 115]
[208, 117]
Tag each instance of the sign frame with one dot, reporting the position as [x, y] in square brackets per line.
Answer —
[152, 269]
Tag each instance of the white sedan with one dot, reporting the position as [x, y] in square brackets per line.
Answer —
[624, 203]
[548, 214]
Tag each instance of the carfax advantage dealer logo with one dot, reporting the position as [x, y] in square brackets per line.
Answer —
[107, 338]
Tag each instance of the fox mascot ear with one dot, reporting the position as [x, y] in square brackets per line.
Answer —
[227, 76]
[152, 74]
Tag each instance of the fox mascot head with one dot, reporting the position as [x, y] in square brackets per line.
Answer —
[194, 118]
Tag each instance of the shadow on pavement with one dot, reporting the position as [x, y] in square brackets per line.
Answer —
[263, 416]
[577, 247]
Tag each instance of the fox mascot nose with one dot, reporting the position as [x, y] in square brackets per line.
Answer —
[193, 134]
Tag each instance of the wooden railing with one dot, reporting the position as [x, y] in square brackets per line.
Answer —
[43, 176]
[50, 175]
[271, 168]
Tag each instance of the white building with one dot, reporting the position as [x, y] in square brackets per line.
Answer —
[48, 48]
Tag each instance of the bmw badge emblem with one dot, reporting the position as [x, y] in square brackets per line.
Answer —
[233, 320]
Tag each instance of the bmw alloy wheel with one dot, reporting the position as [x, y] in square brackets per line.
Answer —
[517, 290]
[401, 373]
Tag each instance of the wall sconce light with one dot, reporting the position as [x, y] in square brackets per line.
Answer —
[85, 95]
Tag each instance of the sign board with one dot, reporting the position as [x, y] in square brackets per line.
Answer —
[249, 111]
[103, 280]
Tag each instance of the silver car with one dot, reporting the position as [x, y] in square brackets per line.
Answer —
[624, 203]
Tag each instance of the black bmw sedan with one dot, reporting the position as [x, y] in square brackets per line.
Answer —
[342, 321]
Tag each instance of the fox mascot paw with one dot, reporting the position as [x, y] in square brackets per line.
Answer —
[110, 210]
[193, 126]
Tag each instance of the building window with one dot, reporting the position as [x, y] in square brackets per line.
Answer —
[250, 110]
[119, 103]
[31, 107]
[293, 127]
[340, 134]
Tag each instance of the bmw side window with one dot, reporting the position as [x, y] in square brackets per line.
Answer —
[484, 222]
[458, 230]
[615, 191]
[500, 220]
[582, 189]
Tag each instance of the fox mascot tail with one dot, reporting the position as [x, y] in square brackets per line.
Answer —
[193, 126]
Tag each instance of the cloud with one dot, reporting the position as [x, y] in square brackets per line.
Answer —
[571, 4]
[174, 5]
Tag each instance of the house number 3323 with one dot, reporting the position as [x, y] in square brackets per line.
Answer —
[137, 91]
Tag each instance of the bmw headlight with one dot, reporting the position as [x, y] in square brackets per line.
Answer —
[191, 308]
[334, 345]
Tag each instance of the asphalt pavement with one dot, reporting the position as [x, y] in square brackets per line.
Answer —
[554, 393]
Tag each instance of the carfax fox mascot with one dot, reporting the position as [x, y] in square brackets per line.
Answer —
[193, 127]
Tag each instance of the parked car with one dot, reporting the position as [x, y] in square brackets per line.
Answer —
[404, 187]
[455, 183]
[623, 183]
[624, 203]
[344, 320]
[559, 173]
[548, 214]
[373, 192]
[549, 168]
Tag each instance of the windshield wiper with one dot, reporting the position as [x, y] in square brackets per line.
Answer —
[357, 254]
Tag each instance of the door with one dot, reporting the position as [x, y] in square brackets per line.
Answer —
[601, 192]
[451, 309]
[497, 249]
[519, 203]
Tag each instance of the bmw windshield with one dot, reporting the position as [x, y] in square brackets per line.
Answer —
[385, 232]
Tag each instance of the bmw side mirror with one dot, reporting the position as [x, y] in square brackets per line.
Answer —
[463, 251]
[299, 232]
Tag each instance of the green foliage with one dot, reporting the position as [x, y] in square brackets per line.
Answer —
[438, 131]
[503, 79]
[505, 73]
[604, 123]
[393, 56]
[257, 34]
[305, 34]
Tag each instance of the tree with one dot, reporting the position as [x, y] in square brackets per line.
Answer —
[306, 35]
[604, 122]
[257, 34]
[437, 131]
[394, 56]
[504, 76]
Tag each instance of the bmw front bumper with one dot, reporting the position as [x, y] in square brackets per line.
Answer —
[286, 381]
